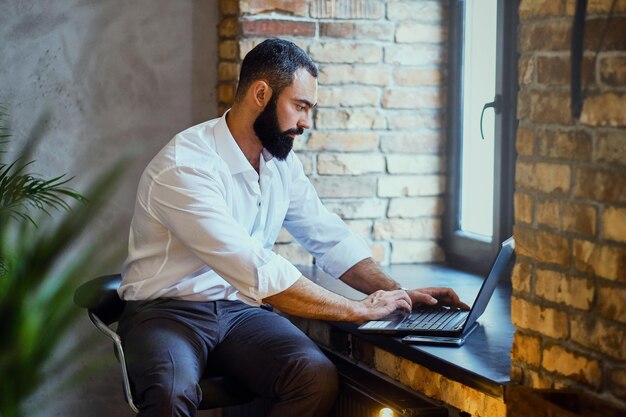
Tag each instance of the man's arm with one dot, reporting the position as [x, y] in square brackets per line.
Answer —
[307, 299]
[367, 277]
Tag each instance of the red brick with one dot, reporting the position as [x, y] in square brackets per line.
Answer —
[612, 33]
[603, 337]
[523, 105]
[548, 213]
[521, 277]
[228, 50]
[564, 144]
[618, 382]
[526, 349]
[525, 141]
[541, 245]
[614, 223]
[543, 177]
[564, 289]
[613, 303]
[278, 28]
[612, 70]
[229, 7]
[606, 261]
[229, 27]
[337, 30]
[526, 69]
[550, 107]
[597, 6]
[579, 218]
[228, 71]
[604, 109]
[600, 185]
[611, 147]
[529, 9]
[572, 365]
[545, 36]
[548, 321]
[523, 207]
[225, 93]
[352, 30]
[555, 70]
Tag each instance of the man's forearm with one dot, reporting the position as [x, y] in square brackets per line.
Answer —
[307, 299]
[367, 277]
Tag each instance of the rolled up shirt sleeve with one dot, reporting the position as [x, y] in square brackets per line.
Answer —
[191, 204]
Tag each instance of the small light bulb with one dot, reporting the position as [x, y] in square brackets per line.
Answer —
[385, 412]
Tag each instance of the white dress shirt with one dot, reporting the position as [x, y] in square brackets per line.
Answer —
[205, 223]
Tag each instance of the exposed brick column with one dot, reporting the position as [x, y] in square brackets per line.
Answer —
[569, 302]
[375, 154]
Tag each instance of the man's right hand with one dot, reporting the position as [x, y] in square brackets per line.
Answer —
[381, 303]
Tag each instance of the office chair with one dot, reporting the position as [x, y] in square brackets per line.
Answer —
[104, 307]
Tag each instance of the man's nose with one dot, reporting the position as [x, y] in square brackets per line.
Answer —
[305, 121]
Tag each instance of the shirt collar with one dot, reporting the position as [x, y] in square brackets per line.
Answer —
[230, 152]
[228, 149]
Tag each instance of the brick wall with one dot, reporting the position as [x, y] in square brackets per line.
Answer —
[375, 154]
[569, 302]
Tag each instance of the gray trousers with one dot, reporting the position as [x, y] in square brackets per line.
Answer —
[167, 343]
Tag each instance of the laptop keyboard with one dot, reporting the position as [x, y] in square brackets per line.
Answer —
[428, 319]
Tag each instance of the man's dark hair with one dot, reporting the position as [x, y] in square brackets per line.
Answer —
[276, 62]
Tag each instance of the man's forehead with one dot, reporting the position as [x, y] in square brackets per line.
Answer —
[304, 86]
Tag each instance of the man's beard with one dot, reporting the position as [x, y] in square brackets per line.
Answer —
[266, 127]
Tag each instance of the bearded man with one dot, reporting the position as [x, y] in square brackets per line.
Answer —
[209, 208]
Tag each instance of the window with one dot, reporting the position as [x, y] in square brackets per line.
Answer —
[481, 130]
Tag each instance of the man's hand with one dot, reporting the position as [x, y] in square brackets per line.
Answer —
[382, 303]
[437, 296]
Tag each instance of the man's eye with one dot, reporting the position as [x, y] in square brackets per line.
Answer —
[299, 107]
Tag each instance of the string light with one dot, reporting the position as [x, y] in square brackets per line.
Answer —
[385, 412]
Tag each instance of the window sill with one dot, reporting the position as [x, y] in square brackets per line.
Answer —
[483, 363]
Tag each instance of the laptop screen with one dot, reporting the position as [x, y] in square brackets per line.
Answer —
[498, 269]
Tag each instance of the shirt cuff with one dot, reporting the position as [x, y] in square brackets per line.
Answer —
[343, 256]
[275, 276]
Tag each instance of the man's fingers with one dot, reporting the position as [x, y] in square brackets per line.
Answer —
[463, 306]
[405, 296]
[424, 298]
[404, 306]
[382, 303]
[442, 295]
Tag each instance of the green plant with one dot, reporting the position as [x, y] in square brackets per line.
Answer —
[44, 259]
[21, 190]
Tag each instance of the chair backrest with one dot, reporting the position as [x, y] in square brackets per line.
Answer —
[100, 297]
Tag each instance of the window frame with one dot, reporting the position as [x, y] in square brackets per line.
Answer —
[464, 251]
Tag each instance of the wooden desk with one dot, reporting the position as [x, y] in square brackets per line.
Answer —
[470, 378]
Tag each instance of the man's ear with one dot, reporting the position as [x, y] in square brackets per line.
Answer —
[261, 93]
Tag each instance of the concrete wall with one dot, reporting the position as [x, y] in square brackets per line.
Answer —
[119, 76]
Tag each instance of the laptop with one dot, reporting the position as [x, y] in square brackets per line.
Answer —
[444, 321]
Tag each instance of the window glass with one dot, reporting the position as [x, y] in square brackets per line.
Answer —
[479, 84]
